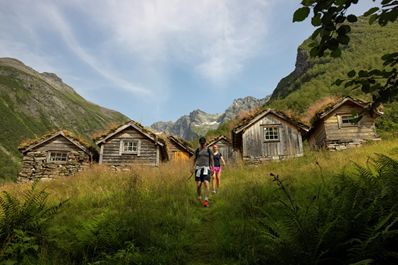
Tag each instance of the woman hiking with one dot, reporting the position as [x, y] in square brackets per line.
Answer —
[202, 163]
[215, 181]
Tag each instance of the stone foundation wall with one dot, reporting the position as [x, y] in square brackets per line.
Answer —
[251, 160]
[35, 166]
[342, 145]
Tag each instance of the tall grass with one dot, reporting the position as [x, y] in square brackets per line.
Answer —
[323, 208]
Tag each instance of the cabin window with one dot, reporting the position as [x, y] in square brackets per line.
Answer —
[271, 134]
[349, 120]
[130, 146]
[55, 156]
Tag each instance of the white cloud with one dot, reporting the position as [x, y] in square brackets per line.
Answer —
[61, 25]
[214, 37]
[29, 21]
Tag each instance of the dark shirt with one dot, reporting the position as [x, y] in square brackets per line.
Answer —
[217, 159]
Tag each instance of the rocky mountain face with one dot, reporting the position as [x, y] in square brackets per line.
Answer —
[285, 85]
[33, 103]
[313, 78]
[199, 122]
[241, 105]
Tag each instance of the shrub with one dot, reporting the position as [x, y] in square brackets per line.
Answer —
[22, 222]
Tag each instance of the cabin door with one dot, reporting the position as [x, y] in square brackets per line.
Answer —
[272, 138]
[180, 156]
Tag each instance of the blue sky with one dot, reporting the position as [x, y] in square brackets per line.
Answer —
[157, 59]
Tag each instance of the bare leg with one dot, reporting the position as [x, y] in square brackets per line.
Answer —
[199, 188]
[207, 185]
[212, 181]
[218, 177]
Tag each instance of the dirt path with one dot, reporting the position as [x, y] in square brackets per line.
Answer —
[204, 245]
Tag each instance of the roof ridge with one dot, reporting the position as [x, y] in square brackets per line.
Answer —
[28, 144]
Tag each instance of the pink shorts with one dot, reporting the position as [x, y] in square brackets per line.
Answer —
[216, 169]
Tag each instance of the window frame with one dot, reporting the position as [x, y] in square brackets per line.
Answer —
[266, 127]
[55, 153]
[349, 124]
[122, 150]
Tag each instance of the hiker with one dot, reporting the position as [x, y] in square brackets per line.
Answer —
[203, 161]
[215, 181]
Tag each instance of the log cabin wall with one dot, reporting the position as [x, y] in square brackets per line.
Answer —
[336, 135]
[225, 149]
[364, 130]
[176, 152]
[317, 138]
[256, 148]
[37, 164]
[148, 151]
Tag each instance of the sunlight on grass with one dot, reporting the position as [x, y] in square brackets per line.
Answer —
[149, 215]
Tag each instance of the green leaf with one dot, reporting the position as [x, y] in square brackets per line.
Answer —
[343, 39]
[307, 2]
[348, 84]
[371, 11]
[363, 73]
[340, 19]
[343, 29]
[336, 53]
[10, 262]
[314, 52]
[338, 82]
[316, 33]
[373, 18]
[340, 2]
[352, 18]
[301, 14]
[351, 73]
[316, 20]
[332, 44]
[384, 2]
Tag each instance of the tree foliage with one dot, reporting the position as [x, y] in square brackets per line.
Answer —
[333, 26]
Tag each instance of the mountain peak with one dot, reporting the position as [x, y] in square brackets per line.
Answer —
[199, 122]
[197, 112]
[12, 61]
[52, 77]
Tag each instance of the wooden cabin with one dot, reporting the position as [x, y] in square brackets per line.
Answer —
[178, 149]
[131, 144]
[224, 146]
[57, 154]
[347, 123]
[268, 135]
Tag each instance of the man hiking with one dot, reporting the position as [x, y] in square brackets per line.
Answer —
[202, 163]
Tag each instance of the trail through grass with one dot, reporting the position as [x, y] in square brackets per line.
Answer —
[201, 250]
[150, 216]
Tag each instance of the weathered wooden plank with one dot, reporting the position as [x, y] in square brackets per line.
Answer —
[58, 143]
[255, 146]
[148, 153]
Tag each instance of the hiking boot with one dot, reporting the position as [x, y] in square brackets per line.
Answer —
[206, 203]
[214, 191]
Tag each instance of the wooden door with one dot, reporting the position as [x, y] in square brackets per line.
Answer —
[180, 156]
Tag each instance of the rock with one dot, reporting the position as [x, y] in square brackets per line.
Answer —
[199, 122]
[35, 166]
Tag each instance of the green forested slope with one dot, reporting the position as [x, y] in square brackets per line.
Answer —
[313, 77]
[32, 104]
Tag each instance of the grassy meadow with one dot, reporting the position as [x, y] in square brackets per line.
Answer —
[323, 208]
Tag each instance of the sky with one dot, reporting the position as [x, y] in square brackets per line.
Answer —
[157, 59]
